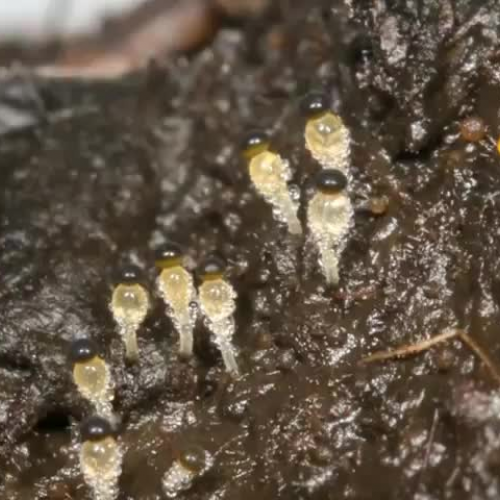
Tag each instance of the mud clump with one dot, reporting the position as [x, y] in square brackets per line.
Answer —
[100, 175]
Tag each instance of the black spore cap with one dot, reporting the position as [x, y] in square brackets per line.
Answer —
[129, 274]
[96, 428]
[212, 267]
[255, 142]
[82, 350]
[314, 104]
[168, 254]
[330, 181]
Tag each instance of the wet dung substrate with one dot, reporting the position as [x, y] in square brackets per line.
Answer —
[95, 175]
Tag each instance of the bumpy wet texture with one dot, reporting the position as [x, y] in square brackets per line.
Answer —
[111, 171]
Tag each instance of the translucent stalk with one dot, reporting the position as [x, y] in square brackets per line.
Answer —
[330, 264]
[129, 336]
[287, 209]
[186, 339]
[223, 331]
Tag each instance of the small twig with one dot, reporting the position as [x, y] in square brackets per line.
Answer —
[430, 442]
[447, 334]
[481, 354]
[408, 350]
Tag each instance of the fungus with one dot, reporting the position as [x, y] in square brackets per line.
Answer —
[91, 375]
[129, 306]
[192, 463]
[217, 303]
[329, 218]
[176, 287]
[100, 458]
[270, 174]
[326, 136]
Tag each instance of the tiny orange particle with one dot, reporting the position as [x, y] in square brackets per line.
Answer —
[472, 129]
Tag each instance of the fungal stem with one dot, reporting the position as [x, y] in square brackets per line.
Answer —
[223, 331]
[128, 333]
[288, 210]
[330, 264]
[186, 339]
[447, 334]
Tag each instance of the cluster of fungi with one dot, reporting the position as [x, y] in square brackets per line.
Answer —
[330, 216]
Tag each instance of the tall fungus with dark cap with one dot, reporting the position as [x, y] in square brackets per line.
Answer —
[175, 285]
[100, 458]
[129, 307]
[92, 375]
[270, 174]
[217, 303]
[326, 136]
[329, 219]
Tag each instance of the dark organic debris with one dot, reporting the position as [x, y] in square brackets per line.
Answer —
[157, 159]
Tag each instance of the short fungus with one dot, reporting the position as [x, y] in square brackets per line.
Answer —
[191, 464]
[129, 306]
[326, 136]
[270, 174]
[217, 303]
[100, 458]
[176, 287]
[329, 217]
[92, 375]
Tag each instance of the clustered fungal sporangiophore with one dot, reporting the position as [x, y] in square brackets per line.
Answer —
[329, 216]
[192, 463]
[270, 174]
[176, 287]
[217, 303]
[326, 136]
[100, 458]
[92, 375]
[129, 305]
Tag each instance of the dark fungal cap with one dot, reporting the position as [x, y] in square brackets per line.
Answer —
[168, 255]
[253, 143]
[330, 181]
[129, 274]
[193, 458]
[95, 428]
[314, 104]
[82, 350]
[212, 268]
